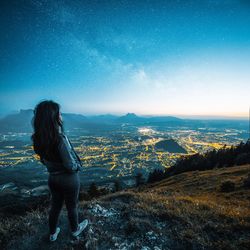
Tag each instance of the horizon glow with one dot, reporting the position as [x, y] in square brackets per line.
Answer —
[183, 58]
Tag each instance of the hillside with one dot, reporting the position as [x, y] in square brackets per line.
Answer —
[185, 211]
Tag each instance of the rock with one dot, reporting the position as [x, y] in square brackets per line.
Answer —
[157, 248]
[145, 248]
[125, 245]
[9, 185]
[41, 190]
[25, 192]
[151, 235]
[98, 210]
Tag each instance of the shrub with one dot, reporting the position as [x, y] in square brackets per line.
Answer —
[93, 190]
[139, 179]
[117, 186]
[246, 182]
[156, 175]
[83, 196]
[103, 191]
[227, 186]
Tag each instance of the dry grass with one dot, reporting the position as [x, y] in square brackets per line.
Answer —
[186, 211]
[193, 203]
[12, 228]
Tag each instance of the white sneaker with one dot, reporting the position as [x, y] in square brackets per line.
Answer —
[53, 237]
[81, 227]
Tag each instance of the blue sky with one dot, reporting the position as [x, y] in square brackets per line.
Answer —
[171, 57]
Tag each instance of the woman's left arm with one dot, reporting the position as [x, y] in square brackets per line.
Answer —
[66, 152]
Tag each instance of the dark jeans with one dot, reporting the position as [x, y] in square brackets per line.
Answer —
[64, 187]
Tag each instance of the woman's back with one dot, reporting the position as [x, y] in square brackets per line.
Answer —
[65, 159]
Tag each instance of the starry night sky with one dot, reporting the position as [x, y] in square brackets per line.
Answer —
[182, 57]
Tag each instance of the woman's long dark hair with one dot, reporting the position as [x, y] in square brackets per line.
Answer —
[46, 123]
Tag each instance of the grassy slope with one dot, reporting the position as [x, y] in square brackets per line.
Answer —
[186, 211]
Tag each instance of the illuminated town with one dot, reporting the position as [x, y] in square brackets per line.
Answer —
[124, 151]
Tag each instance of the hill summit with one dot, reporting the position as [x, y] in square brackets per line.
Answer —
[186, 211]
[170, 146]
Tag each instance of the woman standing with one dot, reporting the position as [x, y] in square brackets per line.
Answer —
[63, 164]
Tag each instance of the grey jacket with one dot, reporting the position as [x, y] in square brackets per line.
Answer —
[71, 162]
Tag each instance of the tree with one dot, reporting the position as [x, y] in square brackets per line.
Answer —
[224, 157]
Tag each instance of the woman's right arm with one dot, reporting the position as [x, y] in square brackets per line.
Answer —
[68, 158]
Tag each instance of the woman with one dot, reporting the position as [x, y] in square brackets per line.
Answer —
[63, 164]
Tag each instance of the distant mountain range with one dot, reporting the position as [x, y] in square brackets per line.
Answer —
[21, 122]
[133, 118]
